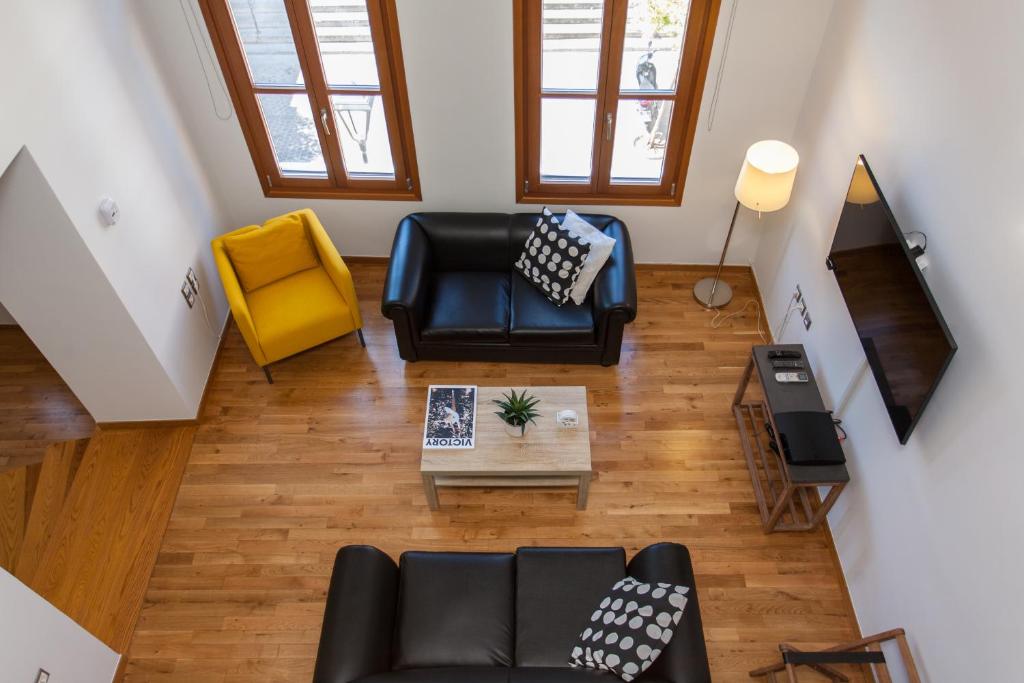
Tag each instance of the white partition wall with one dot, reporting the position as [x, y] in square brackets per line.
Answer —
[36, 635]
[62, 299]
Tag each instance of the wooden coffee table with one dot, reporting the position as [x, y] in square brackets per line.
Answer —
[547, 456]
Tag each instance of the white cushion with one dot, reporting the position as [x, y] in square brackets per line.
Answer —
[601, 246]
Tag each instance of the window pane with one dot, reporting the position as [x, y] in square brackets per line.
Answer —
[654, 40]
[363, 133]
[641, 131]
[267, 40]
[346, 45]
[293, 134]
[571, 44]
[566, 138]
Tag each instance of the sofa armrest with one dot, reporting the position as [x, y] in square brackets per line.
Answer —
[333, 264]
[236, 297]
[408, 274]
[685, 660]
[359, 620]
[615, 285]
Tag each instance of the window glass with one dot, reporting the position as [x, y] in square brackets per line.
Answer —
[267, 40]
[293, 134]
[345, 42]
[641, 133]
[567, 138]
[571, 44]
[653, 45]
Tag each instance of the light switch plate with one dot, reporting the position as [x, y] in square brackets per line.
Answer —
[43, 676]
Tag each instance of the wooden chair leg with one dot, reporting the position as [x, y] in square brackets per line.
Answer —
[266, 371]
[362, 341]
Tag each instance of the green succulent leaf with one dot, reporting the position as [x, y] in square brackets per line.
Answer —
[517, 408]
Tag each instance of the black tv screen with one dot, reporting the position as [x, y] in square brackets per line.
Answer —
[904, 336]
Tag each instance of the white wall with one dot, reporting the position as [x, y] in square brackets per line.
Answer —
[65, 303]
[5, 317]
[929, 533]
[36, 635]
[458, 56]
[82, 94]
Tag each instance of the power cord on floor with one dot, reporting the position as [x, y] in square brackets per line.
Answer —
[721, 319]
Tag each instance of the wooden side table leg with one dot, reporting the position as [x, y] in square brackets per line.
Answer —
[583, 491]
[780, 507]
[430, 488]
[826, 505]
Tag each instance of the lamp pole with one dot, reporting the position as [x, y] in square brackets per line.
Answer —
[705, 290]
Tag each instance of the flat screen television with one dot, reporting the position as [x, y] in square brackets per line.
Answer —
[905, 338]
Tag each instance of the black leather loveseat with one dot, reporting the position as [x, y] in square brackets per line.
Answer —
[490, 617]
[453, 294]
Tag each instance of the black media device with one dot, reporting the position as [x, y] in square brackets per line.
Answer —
[901, 329]
[808, 438]
[783, 353]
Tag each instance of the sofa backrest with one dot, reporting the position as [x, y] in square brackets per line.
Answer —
[557, 590]
[463, 241]
[466, 241]
[522, 224]
[455, 609]
[527, 609]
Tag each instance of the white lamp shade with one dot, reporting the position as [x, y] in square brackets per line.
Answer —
[766, 179]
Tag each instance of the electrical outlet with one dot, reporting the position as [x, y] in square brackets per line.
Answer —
[807, 322]
[43, 676]
[192, 280]
[190, 296]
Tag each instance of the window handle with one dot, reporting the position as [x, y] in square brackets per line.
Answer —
[323, 120]
[608, 120]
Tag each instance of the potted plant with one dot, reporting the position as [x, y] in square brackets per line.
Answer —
[517, 412]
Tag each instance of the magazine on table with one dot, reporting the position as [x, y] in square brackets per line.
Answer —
[451, 416]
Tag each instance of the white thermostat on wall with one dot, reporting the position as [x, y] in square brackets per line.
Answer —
[110, 212]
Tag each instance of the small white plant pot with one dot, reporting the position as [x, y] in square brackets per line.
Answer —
[517, 432]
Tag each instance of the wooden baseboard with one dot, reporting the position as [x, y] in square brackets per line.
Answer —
[367, 260]
[842, 577]
[690, 266]
[191, 422]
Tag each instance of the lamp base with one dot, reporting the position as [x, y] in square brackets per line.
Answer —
[702, 293]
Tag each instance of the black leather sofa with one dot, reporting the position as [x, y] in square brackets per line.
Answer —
[490, 617]
[453, 294]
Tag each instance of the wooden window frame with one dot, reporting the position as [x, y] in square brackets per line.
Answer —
[338, 184]
[695, 58]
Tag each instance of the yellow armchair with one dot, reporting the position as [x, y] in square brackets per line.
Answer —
[309, 306]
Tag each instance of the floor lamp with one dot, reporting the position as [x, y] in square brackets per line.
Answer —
[765, 184]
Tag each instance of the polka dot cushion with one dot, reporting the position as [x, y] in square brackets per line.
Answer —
[630, 628]
[553, 258]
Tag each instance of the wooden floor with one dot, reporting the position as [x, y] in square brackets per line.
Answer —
[36, 406]
[96, 562]
[83, 528]
[282, 475]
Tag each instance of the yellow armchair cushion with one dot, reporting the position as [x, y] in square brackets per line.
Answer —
[298, 312]
[277, 250]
